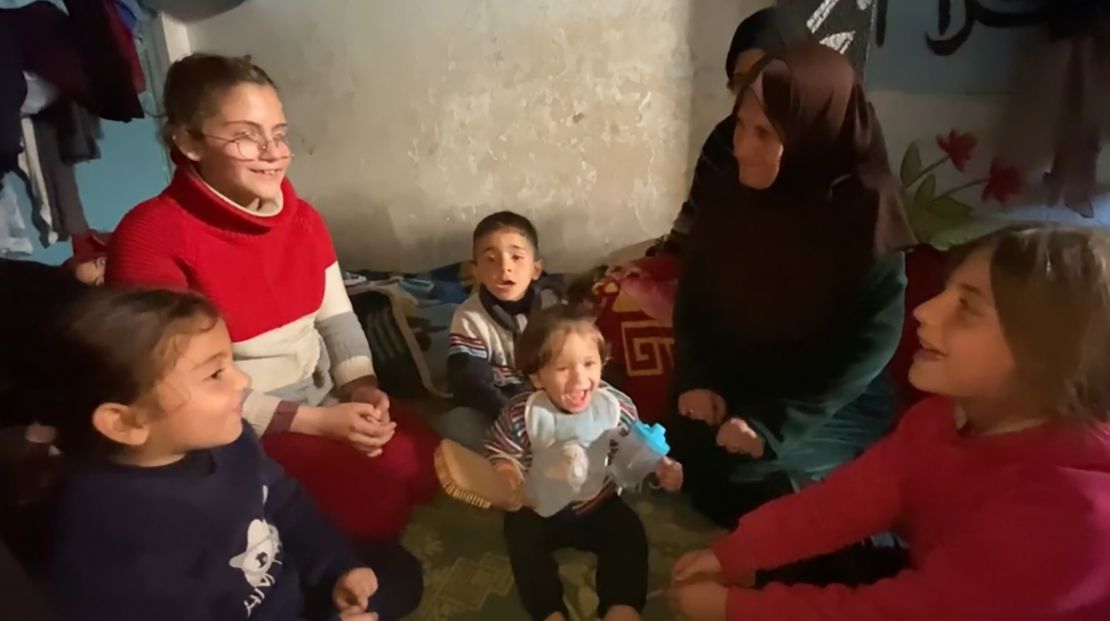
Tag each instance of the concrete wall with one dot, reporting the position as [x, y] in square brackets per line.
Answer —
[411, 120]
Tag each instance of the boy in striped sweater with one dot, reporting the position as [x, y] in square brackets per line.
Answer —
[552, 446]
[480, 360]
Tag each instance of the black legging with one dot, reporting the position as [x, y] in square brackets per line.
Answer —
[612, 531]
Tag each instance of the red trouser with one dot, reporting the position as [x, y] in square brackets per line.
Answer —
[367, 497]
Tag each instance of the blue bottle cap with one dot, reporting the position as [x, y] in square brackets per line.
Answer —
[653, 436]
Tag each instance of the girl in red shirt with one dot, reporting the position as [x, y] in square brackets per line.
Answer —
[1000, 485]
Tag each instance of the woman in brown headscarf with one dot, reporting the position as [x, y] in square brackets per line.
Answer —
[791, 300]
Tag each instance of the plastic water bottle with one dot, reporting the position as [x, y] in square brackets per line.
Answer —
[638, 454]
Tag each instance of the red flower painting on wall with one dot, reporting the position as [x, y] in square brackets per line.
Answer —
[940, 215]
[1003, 182]
[958, 146]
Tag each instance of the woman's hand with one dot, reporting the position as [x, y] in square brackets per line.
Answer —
[736, 436]
[353, 591]
[704, 405]
[514, 479]
[353, 423]
[365, 390]
[696, 565]
[700, 601]
[669, 473]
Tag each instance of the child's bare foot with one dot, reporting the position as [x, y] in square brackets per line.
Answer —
[622, 613]
[555, 616]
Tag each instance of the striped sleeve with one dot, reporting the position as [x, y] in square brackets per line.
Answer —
[470, 376]
[259, 409]
[507, 439]
[468, 346]
[267, 413]
[629, 415]
[343, 336]
[465, 337]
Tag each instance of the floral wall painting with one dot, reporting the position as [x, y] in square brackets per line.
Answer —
[966, 202]
[969, 47]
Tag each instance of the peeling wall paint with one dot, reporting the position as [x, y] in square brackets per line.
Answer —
[411, 120]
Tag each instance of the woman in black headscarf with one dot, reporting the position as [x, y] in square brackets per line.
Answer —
[791, 299]
[766, 32]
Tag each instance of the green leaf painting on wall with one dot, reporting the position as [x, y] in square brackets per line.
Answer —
[943, 218]
[911, 165]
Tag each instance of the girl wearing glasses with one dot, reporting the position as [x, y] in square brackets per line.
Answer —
[231, 226]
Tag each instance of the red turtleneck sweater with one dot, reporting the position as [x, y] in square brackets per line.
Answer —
[274, 278]
[190, 237]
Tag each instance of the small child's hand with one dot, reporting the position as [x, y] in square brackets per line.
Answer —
[358, 424]
[700, 601]
[372, 395]
[511, 474]
[353, 591]
[669, 473]
[736, 436]
[696, 565]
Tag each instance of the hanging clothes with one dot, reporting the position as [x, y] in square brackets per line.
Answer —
[63, 139]
[13, 233]
[109, 59]
[85, 52]
[88, 54]
[129, 13]
[13, 90]
[45, 35]
[37, 186]
[76, 130]
[40, 94]
[1063, 104]
[1084, 27]
[19, 4]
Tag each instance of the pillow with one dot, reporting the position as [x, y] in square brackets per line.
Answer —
[635, 302]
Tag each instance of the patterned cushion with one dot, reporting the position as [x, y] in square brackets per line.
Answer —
[642, 359]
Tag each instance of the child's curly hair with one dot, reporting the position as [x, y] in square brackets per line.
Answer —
[543, 338]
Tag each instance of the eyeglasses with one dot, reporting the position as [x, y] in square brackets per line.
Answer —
[250, 147]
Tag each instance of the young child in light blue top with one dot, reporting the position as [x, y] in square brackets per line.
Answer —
[553, 447]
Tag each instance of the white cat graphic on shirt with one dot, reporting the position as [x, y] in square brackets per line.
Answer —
[263, 545]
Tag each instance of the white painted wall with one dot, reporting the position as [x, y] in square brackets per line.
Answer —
[414, 119]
